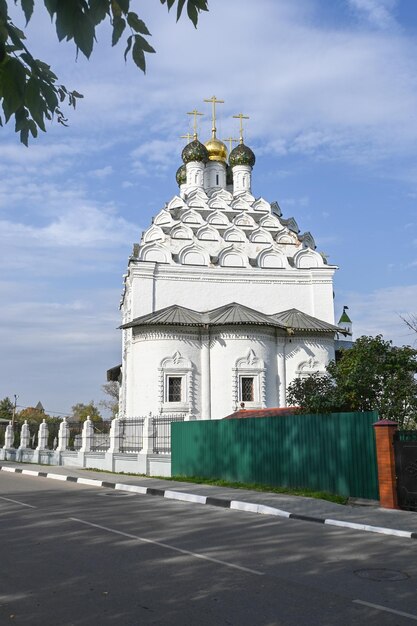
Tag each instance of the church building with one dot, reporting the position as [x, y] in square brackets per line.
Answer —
[224, 302]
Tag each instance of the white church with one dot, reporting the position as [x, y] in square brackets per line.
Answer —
[224, 302]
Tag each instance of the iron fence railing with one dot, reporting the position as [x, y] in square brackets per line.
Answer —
[100, 441]
[131, 434]
[75, 435]
[162, 432]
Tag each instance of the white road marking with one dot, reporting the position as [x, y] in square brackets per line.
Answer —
[17, 502]
[89, 481]
[384, 608]
[134, 488]
[257, 508]
[368, 528]
[57, 476]
[185, 497]
[165, 545]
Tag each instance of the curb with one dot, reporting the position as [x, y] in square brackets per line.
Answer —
[238, 505]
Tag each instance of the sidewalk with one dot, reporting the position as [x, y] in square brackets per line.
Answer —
[365, 518]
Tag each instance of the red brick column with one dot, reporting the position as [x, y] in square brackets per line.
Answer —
[384, 435]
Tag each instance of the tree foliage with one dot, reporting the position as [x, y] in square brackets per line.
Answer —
[6, 408]
[111, 389]
[372, 375]
[81, 411]
[32, 415]
[29, 89]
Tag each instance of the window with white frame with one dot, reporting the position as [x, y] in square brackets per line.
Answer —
[175, 381]
[249, 382]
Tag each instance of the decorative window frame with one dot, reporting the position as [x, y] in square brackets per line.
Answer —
[249, 366]
[180, 367]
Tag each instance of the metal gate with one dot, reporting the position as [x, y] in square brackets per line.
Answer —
[405, 447]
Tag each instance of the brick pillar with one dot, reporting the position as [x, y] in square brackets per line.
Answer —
[384, 435]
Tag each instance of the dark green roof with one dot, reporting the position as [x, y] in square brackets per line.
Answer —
[344, 318]
[233, 314]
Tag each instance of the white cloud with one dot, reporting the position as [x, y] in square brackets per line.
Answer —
[377, 12]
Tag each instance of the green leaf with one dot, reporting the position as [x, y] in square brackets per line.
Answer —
[13, 82]
[27, 6]
[123, 4]
[119, 24]
[138, 25]
[99, 9]
[84, 34]
[192, 13]
[51, 6]
[141, 41]
[138, 56]
[180, 8]
[129, 45]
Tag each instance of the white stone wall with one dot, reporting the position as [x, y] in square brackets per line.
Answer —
[203, 288]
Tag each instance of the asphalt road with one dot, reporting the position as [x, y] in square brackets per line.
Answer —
[77, 555]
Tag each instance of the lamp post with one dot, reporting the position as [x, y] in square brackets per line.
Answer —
[14, 408]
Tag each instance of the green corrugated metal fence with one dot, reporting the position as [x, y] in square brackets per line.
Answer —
[334, 453]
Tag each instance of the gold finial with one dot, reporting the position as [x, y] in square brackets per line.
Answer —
[188, 137]
[195, 113]
[230, 140]
[214, 101]
[241, 117]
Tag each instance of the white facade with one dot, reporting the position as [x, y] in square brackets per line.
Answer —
[207, 248]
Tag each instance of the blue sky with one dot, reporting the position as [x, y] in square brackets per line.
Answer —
[331, 91]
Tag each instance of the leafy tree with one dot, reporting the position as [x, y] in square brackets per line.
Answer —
[314, 394]
[32, 414]
[29, 89]
[372, 375]
[81, 411]
[6, 408]
[111, 389]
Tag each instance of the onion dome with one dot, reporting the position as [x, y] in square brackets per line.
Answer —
[229, 175]
[216, 149]
[242, 155]
[195, 151]
[181, 175]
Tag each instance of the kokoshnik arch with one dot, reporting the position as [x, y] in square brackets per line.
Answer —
[224, 301]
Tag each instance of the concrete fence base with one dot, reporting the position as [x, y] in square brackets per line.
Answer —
[135, 463]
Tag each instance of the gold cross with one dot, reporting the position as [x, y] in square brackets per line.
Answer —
[195, 113]
[241, 117]
[230, 140]
[214, 101]
[188, 137]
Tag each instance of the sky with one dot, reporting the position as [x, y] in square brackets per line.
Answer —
[331, 91]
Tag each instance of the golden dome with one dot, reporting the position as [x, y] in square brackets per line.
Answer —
[216, 149]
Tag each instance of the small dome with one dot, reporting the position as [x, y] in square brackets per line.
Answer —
[229, 175]
[242, 155]
[195, 151]
[216, 149]
[181, 175]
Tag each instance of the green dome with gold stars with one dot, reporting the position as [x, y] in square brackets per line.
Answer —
[181, 175]
[242, 155]
[195, 151]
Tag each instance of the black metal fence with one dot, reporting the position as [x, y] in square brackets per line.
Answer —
[162, 432]
[75, 435]
[131, 434]
[101, 436]
[405, 447]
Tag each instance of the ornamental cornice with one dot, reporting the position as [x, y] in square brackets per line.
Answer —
[156, 335]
